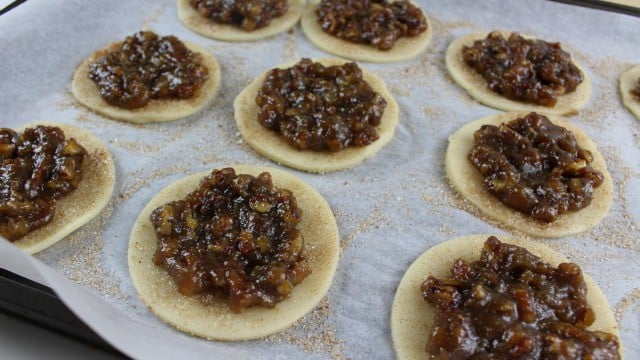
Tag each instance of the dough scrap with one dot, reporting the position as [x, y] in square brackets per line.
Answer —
[476, 85]
[467, 180]
[86, 91]
[86, 201]
[273, 146]
[206, 27]
[405, 48]
[215, 321]
[628, 81]
[412, 316]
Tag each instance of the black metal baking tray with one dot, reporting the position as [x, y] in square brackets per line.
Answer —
[39, 305]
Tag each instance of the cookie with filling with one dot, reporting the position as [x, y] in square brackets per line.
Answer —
[629, 80]
[412, 317]
[86, 201]
[467, 180]
[206, 27]
[476, 85]
[214, 320]
[405, 48]
[273, 146]
[86, 91]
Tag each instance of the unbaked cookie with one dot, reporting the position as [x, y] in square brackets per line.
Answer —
[628, 82]
[467, 180]
[412, 316]
[405, 48]
[273, 146]
[86, 201]
[215, 320]
[206, 27]
[476, 85]
[86, 91]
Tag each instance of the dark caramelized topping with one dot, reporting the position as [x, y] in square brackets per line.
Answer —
[512, 305]
[319, 107]
[247, 14]
[533, 71]
[235, 236]
[38, 167]
[146, 67]
[535, 167]
[379, 23]
[636, 91]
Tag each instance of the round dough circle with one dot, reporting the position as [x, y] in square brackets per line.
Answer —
[412, 316]
[405, 48]
[86, 91]
[272, 145]
[86, 201]
[628, 81]
[215, 321]
[206, 27]
[467, 180]
[476, 85]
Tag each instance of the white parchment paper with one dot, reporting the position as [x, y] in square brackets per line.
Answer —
[389, 209]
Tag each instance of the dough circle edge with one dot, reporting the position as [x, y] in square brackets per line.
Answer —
[411, 316]
[205, 27]
[215, 321]
[405, 48]
[476, 85]
[86, 92]
[83, 204]
[274, 147]
[628, 81]
[467, 181]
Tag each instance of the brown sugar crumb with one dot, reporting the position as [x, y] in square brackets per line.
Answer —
[631, 299]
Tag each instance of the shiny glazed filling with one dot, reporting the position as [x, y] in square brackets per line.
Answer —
[535, 167]
[146, 67]
[533, 71]
[246, 14]
[512, 305]
[379, 23]
[636, 91]
[235, 236]
[38, 166]
[317, 107]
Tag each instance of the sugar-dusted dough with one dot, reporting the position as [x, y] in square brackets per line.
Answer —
[405, 48]
[86, 91]
[272, 145]
[412, 316]
[86, 201]
[467, 180]
[215, 320]
[476, 85]
[628, 81]
[206, 27]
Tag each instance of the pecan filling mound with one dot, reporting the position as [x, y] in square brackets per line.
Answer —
[535, 167]
[379, 23]
[512, 305]
[146, 67]
[317, 107]
[532, 71]
[234, 236]
[249, 15]
[37, 167]
[636, 91]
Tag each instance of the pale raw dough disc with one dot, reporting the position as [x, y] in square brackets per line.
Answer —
[215, 321]
[86, 91]
[86, 201]
[476, 85]
[412, 316]
[467, 180]
[629, 81]
[405, 48]
[272, 145]
[206, 27]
